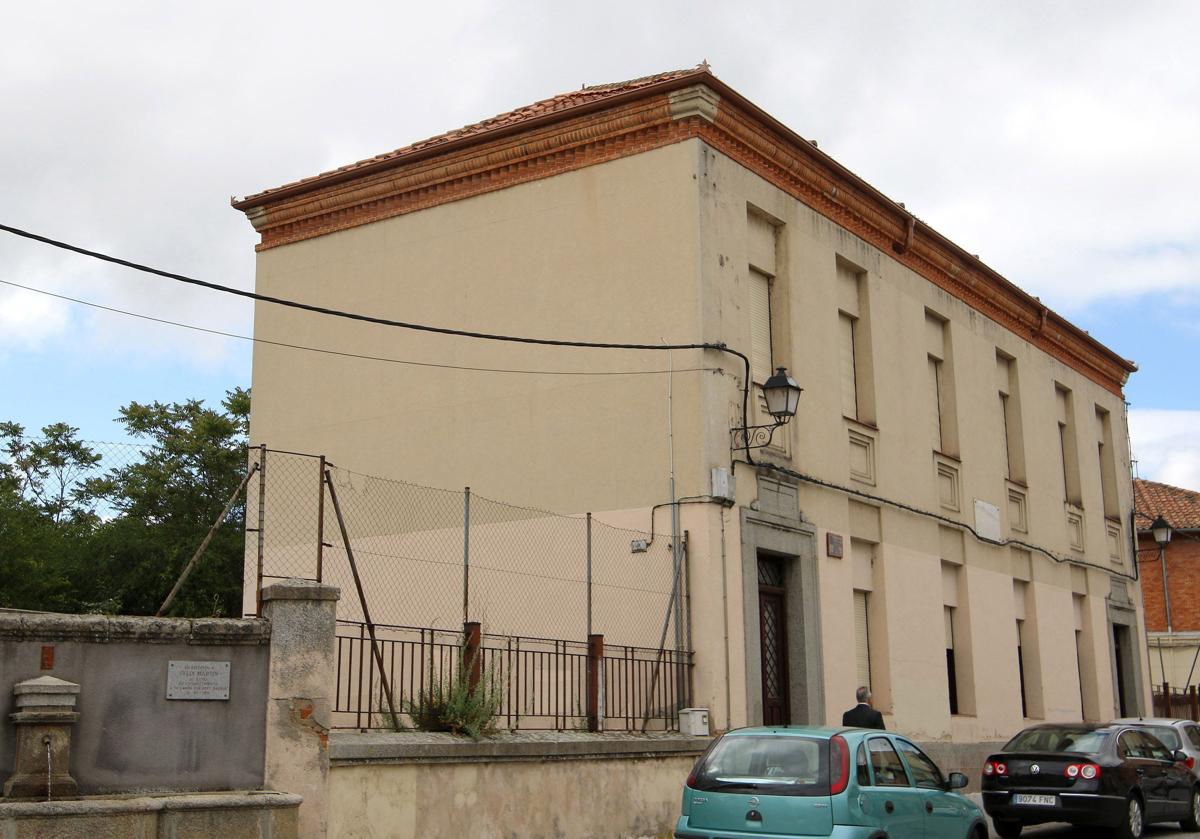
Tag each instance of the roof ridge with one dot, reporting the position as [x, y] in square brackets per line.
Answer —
[1167, 486]
[552, 104]
[653, 77]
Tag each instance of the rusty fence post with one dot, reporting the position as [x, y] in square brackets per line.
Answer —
[595, 679]
[589, 576]
[262, 514]
[466, 552]
[321, 519]
[472, 636]
[1166, 699]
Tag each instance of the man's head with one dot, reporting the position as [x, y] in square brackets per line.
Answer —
[863, 695]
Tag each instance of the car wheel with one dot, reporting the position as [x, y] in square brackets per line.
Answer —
[1134, 823]
[1009, 830]
[1192, 822]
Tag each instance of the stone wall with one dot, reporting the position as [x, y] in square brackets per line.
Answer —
[129, 737]
[529, 785]
[254, 815]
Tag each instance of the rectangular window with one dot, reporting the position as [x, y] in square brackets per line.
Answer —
[1021, 667]
[862, 639]
[762, 350]
[854, 343]
[941, 384]
[1108, 464]
[849, 373]
[959, 670]
[935, 402]
[1067, 444]
[951, 665]
[1010, 416]
[1082, 626]
[1029, 674]
[1079, 669]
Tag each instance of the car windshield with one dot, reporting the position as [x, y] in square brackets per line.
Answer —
[766, 765]
[1168, 735]
[1058, 740]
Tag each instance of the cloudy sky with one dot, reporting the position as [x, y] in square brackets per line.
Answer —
[1057, 140]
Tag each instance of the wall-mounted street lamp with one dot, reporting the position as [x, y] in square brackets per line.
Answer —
[783, 397]
[1161, 529]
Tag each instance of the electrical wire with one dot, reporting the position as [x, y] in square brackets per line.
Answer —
[418, 327]
[350, 354]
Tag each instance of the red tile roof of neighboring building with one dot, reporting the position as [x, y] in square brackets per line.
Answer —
[1180, 507]
[561, 102]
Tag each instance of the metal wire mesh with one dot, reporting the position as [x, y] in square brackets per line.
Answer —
[435, 558]
[119, 523]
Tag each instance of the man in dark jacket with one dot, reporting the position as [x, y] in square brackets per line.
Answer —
[863, 715]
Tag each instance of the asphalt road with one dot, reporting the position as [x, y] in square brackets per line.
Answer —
[1159, 831]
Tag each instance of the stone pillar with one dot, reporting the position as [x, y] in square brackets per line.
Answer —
[45, 714]
[303, 675]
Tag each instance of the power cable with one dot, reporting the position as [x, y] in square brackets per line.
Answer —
[419, 327]
[349, 354]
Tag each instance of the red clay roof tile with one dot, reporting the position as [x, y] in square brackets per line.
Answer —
[554, 104]
[1180, 507]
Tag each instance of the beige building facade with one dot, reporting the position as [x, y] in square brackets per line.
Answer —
[947, 517]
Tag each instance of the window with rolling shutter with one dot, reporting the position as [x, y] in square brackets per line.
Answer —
[862, 640]
[761, 349]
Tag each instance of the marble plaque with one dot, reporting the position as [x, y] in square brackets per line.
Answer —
[198, 680]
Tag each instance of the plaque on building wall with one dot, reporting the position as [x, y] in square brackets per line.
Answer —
[833, 545]
[198, 680]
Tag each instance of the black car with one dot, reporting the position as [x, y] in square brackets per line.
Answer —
[1114, 776]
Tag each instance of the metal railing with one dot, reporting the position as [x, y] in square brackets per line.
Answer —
[1177, 703]
[543, 683]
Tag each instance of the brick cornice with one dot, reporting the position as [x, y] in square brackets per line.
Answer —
[805, 174]
[696, 105]
[481, 167]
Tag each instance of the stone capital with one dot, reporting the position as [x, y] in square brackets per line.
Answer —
[292, 589]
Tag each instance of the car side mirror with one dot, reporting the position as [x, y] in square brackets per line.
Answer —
[957, 780]
[1179, 755]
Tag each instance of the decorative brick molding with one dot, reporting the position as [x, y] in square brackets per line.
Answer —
[627, 120]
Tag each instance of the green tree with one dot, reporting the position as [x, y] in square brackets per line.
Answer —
[48, 471]
[46, 517]
[70, 541]
[167, 501]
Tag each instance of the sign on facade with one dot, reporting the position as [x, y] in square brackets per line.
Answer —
[198, 680]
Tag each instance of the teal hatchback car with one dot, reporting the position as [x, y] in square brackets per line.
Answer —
[850, 783]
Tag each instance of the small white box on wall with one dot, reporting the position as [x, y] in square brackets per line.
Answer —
[693, 722]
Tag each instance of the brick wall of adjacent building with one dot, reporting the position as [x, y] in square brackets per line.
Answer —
[1183, 572]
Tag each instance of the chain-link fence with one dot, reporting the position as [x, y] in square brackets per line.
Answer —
[94, 526]
[436, 558]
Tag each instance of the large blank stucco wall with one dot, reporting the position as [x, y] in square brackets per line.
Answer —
[607, 253]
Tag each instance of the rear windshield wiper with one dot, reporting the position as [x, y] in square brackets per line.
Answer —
[748, 783]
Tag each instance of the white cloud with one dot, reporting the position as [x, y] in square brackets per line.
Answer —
[1057, 142]
[27, 319]
[1166, 445]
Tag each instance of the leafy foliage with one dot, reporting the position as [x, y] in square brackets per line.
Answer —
[117, 542]
[450, 704]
